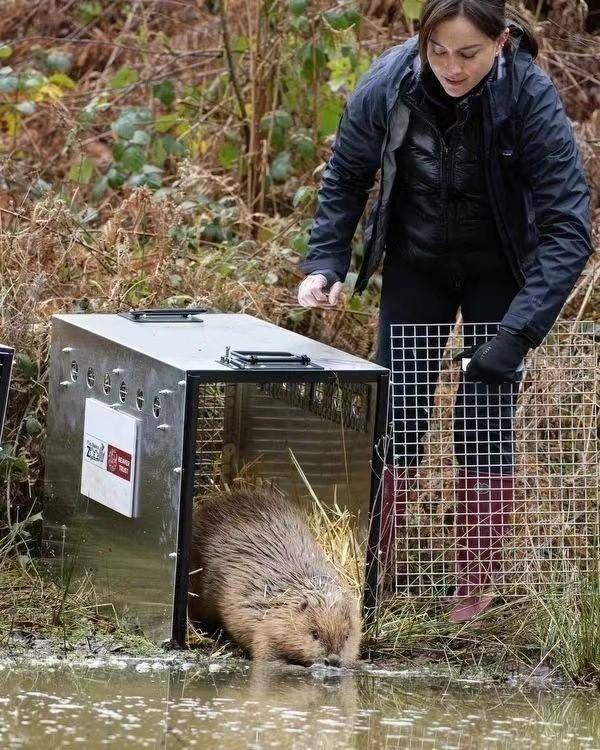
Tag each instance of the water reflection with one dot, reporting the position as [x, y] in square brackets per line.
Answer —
[155, 706]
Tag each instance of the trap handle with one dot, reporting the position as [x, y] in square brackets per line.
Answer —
[255, 360]
[166, 315]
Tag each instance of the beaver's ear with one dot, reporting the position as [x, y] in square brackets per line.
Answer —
[303, 604]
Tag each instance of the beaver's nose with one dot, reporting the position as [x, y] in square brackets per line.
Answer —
[332, 661]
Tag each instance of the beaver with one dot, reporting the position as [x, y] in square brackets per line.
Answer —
[263, 578]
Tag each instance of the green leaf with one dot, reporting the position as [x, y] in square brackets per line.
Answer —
[297, 315]
[118, 149]
[115, 179]
[141, 138]
[279, 117]
[152, 169]
[152, 180]
[225, 269]
[303, 195]
[297, 7]
[281, 167]
[125, 76]
[62, 80]
[342, 18]
[32, 426]
[5, 51]
[10, 465]
[240, 44]
[99, 188]
[157, 153]
[164, 92]
[173, 146]
[124, 129]
[31, 82]
[133, 159]
[301, 25]
[228, 154]
[313, 58]
[412, 9]
[304, 145]
[60, 61]
[330, 112]
[88, 11]
[300, 243]
[25, 366]
[82, 171]
[166, 122]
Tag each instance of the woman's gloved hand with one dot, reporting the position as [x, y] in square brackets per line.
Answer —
[317, 289]
[498, 360]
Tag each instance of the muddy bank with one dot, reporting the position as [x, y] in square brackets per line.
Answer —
[28, 651]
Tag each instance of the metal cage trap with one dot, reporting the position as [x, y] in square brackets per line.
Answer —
[150, 411]
[494, 487]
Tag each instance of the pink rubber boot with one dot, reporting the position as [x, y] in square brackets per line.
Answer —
[483, 518]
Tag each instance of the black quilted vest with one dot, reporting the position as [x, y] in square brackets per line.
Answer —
[441, 217]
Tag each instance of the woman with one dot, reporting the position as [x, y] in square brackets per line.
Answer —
[483, 207]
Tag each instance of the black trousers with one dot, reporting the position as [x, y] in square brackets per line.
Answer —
[483, 418]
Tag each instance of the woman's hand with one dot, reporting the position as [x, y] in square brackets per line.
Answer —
[313, 292]
[499, 360]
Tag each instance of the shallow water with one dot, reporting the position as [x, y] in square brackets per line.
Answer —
[155, 705]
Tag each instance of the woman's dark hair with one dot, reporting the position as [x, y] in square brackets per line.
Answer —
[489, 16]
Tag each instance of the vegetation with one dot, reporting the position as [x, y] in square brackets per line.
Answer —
[167, 153]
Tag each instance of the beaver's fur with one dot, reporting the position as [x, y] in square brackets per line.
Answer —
[262, 577]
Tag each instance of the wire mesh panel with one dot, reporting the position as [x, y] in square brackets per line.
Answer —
[215, 404]
[494, 487]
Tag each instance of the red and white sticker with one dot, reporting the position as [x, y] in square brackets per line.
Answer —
[118, 462]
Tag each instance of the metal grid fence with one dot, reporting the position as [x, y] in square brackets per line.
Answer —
[494, 486]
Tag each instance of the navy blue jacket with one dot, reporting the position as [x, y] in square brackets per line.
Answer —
[534, 177]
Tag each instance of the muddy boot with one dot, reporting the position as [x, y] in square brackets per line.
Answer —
[393, 514]
[483, 519]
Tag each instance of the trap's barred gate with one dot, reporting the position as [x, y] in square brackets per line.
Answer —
[494, 486]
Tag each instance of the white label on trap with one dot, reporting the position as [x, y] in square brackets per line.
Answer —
[109, 457]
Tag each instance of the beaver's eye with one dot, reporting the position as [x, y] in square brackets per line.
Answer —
[315, 634]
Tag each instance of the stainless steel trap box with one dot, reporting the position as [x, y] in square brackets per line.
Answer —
[149, 410]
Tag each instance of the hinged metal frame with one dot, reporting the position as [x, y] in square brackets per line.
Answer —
[194, 382]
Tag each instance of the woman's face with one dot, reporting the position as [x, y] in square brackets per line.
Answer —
[460, 55]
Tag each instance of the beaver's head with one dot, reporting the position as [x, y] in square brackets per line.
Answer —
[312, 627]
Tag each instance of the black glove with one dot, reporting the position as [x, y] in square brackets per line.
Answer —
[498, 360]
